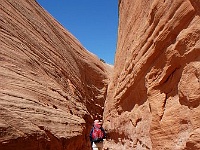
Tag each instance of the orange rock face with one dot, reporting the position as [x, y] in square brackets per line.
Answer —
[50, 85]
[154, 95]
[52, 88]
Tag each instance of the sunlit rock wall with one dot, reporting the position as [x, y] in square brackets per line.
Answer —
[154, 95]
[51, 87]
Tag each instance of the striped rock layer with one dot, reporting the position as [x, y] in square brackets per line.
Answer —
[154, 95]
[51, 87]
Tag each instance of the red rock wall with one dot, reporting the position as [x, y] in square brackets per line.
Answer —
[154, 95]
[50, 86]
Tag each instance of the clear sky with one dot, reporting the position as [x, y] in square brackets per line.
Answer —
[93, 22]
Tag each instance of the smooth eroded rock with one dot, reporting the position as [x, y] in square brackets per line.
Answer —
[153, 98]
[51, 87]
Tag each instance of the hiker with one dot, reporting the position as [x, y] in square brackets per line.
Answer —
[97, 134]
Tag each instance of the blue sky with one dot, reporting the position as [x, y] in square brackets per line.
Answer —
[93, 22]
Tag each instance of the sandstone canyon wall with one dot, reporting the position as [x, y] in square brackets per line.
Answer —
[51, 87]
[154, 95]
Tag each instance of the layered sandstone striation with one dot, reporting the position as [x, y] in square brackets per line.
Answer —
[154, 95]
[51, 86]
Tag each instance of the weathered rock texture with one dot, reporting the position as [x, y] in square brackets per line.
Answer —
[154, 95]
[48, 82]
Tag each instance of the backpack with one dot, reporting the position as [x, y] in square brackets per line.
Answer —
[97, 134]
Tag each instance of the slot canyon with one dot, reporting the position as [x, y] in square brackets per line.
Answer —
[52, 88]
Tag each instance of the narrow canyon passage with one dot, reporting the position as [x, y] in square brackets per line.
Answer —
[52, 88]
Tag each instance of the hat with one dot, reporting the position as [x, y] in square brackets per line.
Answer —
[97, 122]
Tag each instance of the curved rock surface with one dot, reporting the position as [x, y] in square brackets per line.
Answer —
[51, 86]
[154, 95]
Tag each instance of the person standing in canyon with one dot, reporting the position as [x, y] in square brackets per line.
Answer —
[97, 135]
